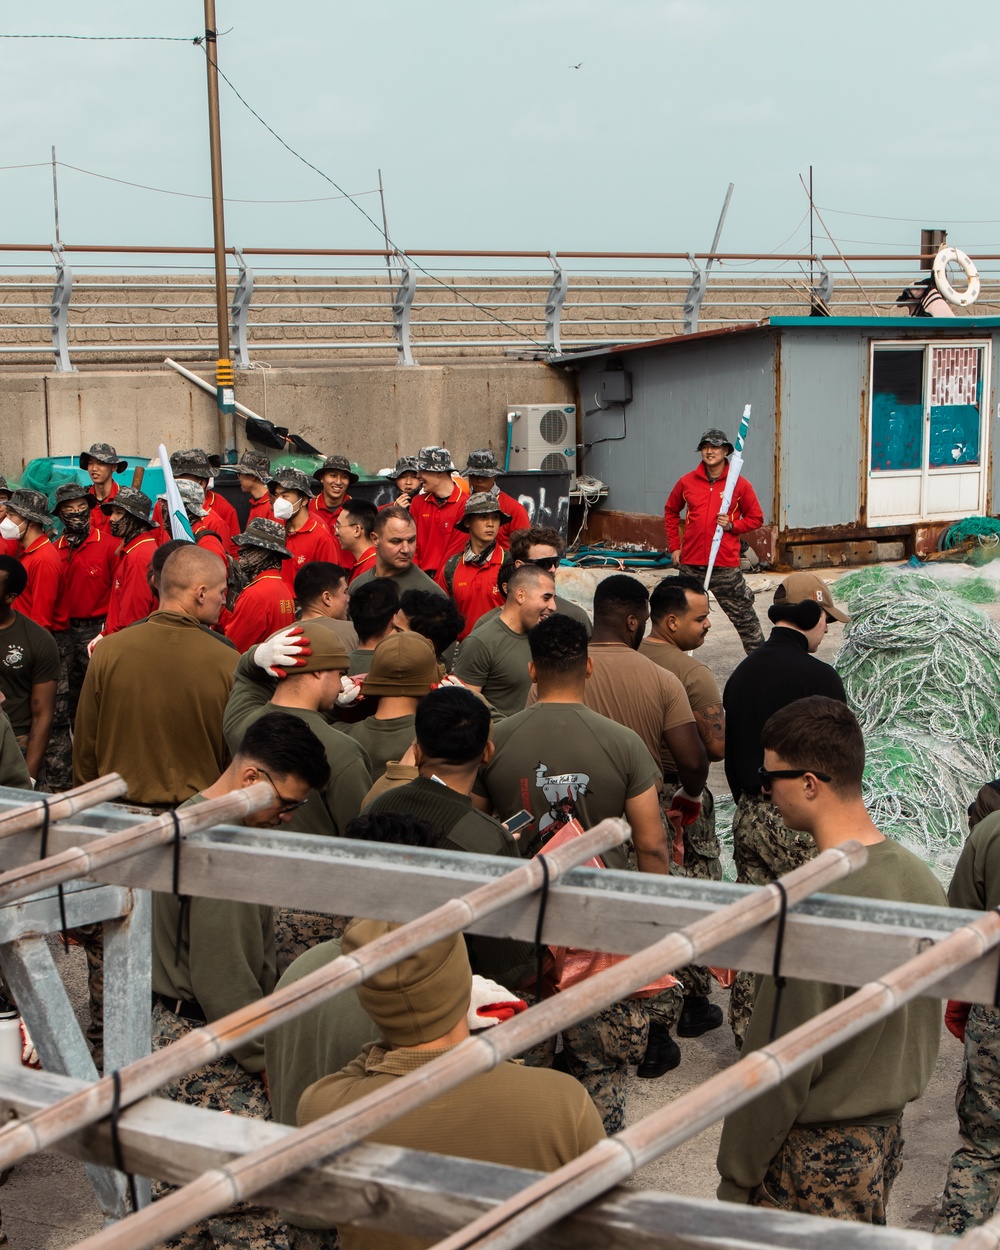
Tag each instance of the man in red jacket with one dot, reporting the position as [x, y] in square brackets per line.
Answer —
[482, 470]
[41, 601]
[88, 556]
[306, 538]
[254, 471]
[131, 522]
[334, 475]
[265, 605]
[700, 492]
[436, 509]
[101, 463]
[470, 576]
[195, 465]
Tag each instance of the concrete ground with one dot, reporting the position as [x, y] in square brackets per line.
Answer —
[47, 1204]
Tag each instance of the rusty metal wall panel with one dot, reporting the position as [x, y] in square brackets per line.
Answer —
[678, 393]
[823, 427]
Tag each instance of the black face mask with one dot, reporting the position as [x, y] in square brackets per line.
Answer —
[251, 562]
[77, 526]
[126, 527]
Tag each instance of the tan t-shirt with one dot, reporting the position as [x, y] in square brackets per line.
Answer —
[697, 679]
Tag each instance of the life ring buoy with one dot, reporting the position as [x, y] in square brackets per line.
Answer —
[949, 255]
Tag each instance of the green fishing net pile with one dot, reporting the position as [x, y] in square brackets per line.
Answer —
[921, 667]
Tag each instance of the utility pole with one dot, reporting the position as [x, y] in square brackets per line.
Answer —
[224, 377]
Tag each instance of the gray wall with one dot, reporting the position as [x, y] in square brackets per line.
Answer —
[823, 430]
[680, 391]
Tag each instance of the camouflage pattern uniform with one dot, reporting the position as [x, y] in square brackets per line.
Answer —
[842, 1172]
[222, 1085]
[59, 754]
[973, 1185]
[763, 849]
[599, 1052]
[298, 931]
[312, 1238]
[701, 861]
[734, 597]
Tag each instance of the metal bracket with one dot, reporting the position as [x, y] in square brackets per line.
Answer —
[695, 294]
[553, 306]
[823, 289]
[239, 312]
[402, 302]
[59, 311]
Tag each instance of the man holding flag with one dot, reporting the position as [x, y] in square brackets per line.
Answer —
[701, 493]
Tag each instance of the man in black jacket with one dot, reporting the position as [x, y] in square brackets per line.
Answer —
[779, 672]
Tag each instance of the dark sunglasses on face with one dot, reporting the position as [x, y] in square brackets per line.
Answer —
[546, 562]
[287, 805]
[766, 776]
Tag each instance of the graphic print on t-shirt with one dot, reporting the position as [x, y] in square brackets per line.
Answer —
[561, 792]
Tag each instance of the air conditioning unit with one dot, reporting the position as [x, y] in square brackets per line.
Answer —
[543, 436]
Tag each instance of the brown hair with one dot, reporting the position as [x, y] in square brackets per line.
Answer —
[822, 734]
[521, 541]
[392, 513]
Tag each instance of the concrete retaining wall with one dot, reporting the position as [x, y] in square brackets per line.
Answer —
[371, 413]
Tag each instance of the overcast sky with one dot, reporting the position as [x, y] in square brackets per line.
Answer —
[487, 138]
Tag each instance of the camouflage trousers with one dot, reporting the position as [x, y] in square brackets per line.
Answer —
[312, 1238]
[844, 1172]
[701, 861]
[73, 661]
[973, 1185]
[734, 597]
[599, 1052]
[763, 849]
[298, 931]
[221, 1086]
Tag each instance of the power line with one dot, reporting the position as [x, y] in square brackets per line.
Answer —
[955, 221]
[114, 38]
[367, 216]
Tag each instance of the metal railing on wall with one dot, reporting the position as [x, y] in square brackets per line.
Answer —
[135, 304]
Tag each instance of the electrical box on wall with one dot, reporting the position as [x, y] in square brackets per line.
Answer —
[542, 436]
[616, 387]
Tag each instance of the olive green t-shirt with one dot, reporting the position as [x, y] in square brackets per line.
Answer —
[413, 579]
[28, 657]
[976, 883]
[383, 740]
[495, 659]
[563, 761]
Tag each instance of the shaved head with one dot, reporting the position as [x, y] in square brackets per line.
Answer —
[193, 581]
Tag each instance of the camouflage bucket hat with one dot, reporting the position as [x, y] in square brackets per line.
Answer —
[192, 497]
[405, 464]
[483, 503]
[70, 491]
[293, 479]
[5, 490]
[254, 464]
[434, 460]
[268, 535]
[482, 464]
[716, 438]
[192, 462]
[132, 501]
[31, 504]
[103, 453]
[339, 463]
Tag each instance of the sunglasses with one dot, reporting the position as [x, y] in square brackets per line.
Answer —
[546, 562]
[787, 774]
[287, 805]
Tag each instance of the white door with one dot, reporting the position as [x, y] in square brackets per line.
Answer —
[927, 445]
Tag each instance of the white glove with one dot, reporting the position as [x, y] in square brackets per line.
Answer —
[29, 1055]
[286, 649]
[350, 689]
[491, 1004]
[450, 679]
[92, 644]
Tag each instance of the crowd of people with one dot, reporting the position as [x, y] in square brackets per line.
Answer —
[410, 675]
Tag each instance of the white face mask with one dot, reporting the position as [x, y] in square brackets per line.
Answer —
[284, 509]
[8, 529]
[211, 485]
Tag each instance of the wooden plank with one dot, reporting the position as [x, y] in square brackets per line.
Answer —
[831, 938]
[409, 1191]
[18, 815]
[30, 971]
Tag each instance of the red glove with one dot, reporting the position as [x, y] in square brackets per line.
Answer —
[688, 805]
[955, 1016]
[675, 821]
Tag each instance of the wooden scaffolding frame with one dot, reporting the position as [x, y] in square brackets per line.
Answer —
[833, 938]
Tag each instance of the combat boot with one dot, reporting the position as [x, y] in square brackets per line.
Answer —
[698, 1016]
[662, 1053]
